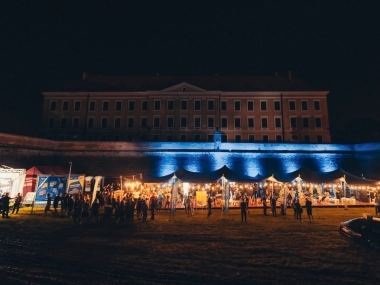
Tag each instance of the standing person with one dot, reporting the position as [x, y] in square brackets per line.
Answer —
[85, 214]
[153, 206]
[188, 206]
[138, 207]
[17, 203]
[309, 209]
[209, 203]
[48, 204]
[144, 210]
[167, 202]
[56, 200]
[192, 205]
[159, 202]
[95, 210]
[243, 209]
[273, 205]
[299, 210]
[294, 208]
[5, 208]
[377, 204]
[264, 200]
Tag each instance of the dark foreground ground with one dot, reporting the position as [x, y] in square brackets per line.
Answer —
[187, 250]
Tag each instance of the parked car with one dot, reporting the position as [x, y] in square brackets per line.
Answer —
[364, 230]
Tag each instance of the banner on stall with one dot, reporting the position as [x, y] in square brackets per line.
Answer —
[76, 184]
[201, 198]
[48, 184]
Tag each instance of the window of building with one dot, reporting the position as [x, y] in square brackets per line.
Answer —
[156, 122]
[277, 122]
[293, 122]
[197, 105]
[317, 105]
[183, 138]
[250, 105]
[129, 138]
[210, 138]
[251, 138]
[156, 138]
[170, 123]
[144, 122]
[51, 123]
[278, 138]
[169, 138]
[263, 105]
[131, 105]
[63, 123]
[224, 122]
[117, 123]
[251, 123]
[223, 105]
[90, 123]
[183, 105]
[92, 105]
[75, 123]
[170, 105]
[118, 106]
[197, 138]
[183, 122]
[237, 123]
[304, 105]
[307, 138]
[105, 106]
[53, 105]
[237, 105]
[210, 105]
[277, 106]
[292, 105]
[265, 138]
[143, 138]
[294, 138]
[210, 123]
[104, 123]
[157, 105]
[65, 105]
[319, 139]
[77, 106]
[264, 123]
[144, 105]
[131, 123]
[318, 123]
[238, 138]
[305, 122]
[197, 123]
[224, 138]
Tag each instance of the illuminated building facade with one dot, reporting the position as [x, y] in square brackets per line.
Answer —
[245, 109]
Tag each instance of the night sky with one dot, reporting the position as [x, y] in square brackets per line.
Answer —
[334, 45]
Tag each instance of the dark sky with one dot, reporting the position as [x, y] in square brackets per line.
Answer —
[331, 44]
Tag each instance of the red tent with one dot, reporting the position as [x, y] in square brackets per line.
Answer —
[33, 172]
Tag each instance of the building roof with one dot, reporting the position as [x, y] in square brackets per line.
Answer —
[209, 83]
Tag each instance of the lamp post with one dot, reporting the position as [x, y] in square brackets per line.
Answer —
[68, 180]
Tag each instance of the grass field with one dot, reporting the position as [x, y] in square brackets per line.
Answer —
[186, 250]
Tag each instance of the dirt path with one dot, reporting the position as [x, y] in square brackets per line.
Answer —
[196, 250]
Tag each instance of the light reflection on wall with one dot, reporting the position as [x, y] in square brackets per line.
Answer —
[249, 164]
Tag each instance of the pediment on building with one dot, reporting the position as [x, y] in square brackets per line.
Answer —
[183, 87]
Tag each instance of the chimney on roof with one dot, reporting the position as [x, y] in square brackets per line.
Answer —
[84, 76]
[290, 75]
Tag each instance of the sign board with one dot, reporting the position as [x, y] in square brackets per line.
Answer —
[49, 184]
[29, 198]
